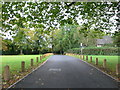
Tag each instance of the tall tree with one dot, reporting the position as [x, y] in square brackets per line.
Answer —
[55, 14]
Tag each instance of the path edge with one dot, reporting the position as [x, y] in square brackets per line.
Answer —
[27, 74]
[101, 71]
[98, 69]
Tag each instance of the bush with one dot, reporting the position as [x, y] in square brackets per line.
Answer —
[25, 52]
[95, 51]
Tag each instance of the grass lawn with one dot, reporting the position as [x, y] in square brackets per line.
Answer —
[14, 61]
[111, 60]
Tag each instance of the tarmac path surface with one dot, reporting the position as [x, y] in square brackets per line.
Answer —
[61, 71]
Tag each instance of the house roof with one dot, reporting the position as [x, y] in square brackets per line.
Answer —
[100, 41]
[105, 40]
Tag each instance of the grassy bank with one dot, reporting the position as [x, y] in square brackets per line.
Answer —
[14, 62]
[111, 60]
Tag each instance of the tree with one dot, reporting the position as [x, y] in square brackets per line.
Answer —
[48, 17]
[3, 45]
[55, 14]
[116, 38]
[70, 36]
[23, 39]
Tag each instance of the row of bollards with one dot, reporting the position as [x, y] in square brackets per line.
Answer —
[97, 62]
[104, 63]
[6, 74]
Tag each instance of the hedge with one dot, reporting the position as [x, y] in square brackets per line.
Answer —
[95, 51]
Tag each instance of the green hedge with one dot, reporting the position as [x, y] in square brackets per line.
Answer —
[95, 51]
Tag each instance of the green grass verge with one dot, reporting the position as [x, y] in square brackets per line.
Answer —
[14, 61]
[111, 60]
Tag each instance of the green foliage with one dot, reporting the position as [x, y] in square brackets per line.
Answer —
[109, 45]
[95, 51]
[47, 17]
[70, 36]
[41, 14]
[116, 38]
[27, 41]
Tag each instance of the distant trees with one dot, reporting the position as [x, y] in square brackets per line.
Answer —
[3, 45]
[116, 38]
[35, 41]
[26, 41]
[70, 36]
[55, 25]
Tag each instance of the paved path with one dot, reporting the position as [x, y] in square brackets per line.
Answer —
[62, 71]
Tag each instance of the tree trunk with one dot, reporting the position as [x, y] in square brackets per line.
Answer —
[21, 52]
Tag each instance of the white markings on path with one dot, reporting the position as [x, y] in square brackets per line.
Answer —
[55, 69]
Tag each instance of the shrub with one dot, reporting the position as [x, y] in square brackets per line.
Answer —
[95, 51]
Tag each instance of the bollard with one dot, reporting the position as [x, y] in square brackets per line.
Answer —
[80, 56]
[83, 57]
[86, 57]
[91, 59]
[37, 59]
[104, 63]
[6, 73]
[117, 69]
[96, 63]
[40, 57]
[31, 62]
[22, 66]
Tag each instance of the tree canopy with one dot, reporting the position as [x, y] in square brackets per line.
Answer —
[41, 25]
[54, 14]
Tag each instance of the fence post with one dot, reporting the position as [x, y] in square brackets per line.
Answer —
[104, 63]
[37, 59]
[96, 63]
[117, 69]
[6, 73]
[31, 62]
[86, 57]
[22, 66]
[91, 59]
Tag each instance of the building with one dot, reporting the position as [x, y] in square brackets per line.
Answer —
[105, 40]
